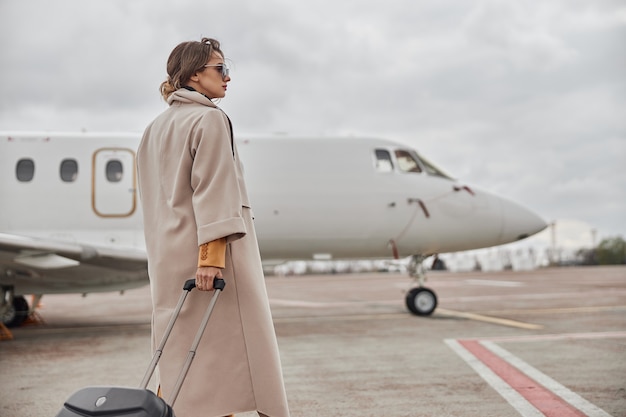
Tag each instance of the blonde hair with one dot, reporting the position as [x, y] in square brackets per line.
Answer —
[185, 60]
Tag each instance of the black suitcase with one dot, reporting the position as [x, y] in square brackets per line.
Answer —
[140, 402]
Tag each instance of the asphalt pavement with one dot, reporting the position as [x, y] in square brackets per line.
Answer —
[546, 342]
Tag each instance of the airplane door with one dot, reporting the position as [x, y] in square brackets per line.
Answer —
[114, 182]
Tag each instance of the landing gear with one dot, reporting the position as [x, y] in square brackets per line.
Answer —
[420, 300]
[13, 310]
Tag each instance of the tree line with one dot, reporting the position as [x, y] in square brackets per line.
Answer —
[610, 251]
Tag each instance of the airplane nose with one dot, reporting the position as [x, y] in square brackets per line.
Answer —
[518, 222]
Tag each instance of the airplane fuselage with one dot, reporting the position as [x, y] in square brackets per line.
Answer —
[312, 198]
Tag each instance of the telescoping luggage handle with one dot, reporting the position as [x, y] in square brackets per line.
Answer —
[190, 284]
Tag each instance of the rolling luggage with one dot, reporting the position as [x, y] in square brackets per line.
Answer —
[140, 402]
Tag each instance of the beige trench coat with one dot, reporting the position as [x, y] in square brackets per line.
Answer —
[192, 190]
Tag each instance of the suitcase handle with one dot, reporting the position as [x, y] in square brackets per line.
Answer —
[218, 284]
[190, 284]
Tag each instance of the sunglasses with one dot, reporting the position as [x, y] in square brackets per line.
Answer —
[221, 68]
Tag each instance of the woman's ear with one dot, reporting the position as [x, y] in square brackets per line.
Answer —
[194, 77]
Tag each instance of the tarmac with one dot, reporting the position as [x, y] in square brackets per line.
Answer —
[548, 342]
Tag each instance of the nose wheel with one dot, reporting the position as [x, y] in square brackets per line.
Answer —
[421, 301]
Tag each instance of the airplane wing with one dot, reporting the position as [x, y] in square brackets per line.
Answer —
[41, 266]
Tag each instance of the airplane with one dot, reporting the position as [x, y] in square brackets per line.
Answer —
[70, 217]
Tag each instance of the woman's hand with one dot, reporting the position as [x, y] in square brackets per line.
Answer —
[205, 276]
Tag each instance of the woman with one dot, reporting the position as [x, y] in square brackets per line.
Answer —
[197, 222]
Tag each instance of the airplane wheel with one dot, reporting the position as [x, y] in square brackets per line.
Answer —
[17, 313]
[421, 301]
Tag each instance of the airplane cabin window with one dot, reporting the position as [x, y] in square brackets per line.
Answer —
[25, 170]
[383, 161]
[69, 170]
[406, 161]
[114, 170]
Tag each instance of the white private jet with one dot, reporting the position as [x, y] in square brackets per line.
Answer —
[70, 220]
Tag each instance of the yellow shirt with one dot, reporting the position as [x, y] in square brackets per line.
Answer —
[213, 253]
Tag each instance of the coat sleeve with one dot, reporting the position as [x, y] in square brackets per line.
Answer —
[216, 197]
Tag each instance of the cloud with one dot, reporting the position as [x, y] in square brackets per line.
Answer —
[523, 99]
[519, 34]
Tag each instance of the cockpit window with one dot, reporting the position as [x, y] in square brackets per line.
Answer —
[69, 170]
[383, 161]
[25, 170]
[407, 162]
[114, 170]
[432, 169]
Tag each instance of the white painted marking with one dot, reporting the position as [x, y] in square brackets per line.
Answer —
[519, 403]
[296, 303]
[327, 304]
[494, 283]
[565, 310]
[539, 296]
[567, 395]
[562, 336]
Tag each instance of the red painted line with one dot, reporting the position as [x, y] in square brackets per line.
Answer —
[540, 397]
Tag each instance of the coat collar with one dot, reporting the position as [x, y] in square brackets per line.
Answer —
[184, 95]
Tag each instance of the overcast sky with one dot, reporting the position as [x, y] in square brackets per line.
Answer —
[526, 99]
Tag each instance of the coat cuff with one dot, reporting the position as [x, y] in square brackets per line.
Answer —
[231, 229]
